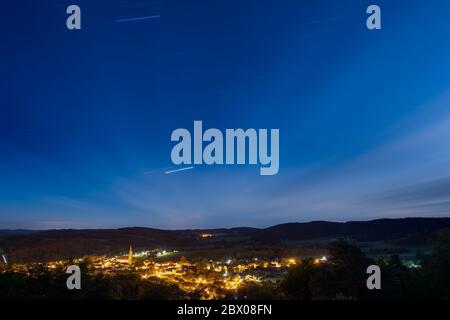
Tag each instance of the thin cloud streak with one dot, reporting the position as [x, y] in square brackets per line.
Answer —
[139, 18]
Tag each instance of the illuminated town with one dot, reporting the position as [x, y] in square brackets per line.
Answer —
[210, 279]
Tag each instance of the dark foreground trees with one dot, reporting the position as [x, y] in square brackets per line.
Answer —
[344, 276]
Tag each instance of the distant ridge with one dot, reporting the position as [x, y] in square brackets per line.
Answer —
[26, 245]
[380, 229]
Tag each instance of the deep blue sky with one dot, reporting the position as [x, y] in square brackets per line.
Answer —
[86, 116]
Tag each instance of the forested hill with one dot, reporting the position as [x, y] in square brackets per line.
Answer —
[24, 245]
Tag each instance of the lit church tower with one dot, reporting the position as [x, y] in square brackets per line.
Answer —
[130, 255]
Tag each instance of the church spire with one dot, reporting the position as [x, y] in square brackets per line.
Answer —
[130, 255]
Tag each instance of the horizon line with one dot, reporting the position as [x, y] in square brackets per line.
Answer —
[227, 228]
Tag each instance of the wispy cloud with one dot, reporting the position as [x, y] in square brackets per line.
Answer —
[404, 175]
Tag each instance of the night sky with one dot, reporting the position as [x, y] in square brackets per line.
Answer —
[86, 116]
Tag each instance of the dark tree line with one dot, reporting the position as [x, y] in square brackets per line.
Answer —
[344, 275]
